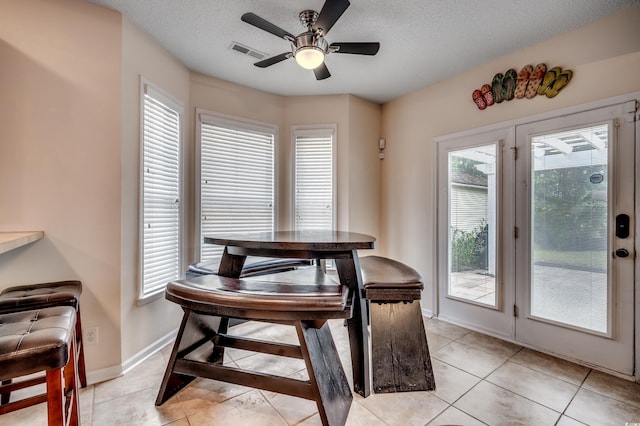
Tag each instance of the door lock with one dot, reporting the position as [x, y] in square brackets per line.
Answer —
[621, 252]
[622, 226]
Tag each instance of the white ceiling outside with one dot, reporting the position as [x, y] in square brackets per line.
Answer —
[422, 41]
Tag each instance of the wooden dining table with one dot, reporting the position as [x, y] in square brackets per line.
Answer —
[340, 246]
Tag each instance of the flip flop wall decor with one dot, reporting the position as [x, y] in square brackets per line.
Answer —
[527, 83]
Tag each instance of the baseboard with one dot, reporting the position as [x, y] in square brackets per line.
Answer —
[104, 374]
[427, 313]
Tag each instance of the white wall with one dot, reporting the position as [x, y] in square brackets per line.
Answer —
[605, 58]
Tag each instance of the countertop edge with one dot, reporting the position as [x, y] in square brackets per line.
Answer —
[12, 240]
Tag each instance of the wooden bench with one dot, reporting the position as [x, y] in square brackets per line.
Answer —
[400, 354]
[304, 299]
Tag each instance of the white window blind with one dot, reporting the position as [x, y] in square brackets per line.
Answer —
[161, 191]
[236, 179]
[314, 186]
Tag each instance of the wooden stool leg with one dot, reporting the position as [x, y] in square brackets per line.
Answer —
[62, 393]
[72, 409]
[400, 355]
[82, 373]
[326, 374]
[55, 397]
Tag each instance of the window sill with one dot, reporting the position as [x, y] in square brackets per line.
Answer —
[150, 297]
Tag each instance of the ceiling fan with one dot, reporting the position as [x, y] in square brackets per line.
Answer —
[310, 47]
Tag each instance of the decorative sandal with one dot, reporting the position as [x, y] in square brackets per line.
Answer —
[478, 99]
[509, 84]
[535, 79]
[487, 95]
[497, 89]
[561, 81]
[523, 81]
[548, 80]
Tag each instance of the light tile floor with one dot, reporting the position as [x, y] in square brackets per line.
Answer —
[479, 379]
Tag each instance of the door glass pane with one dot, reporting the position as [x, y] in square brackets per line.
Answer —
[472, 224]
[569, 209]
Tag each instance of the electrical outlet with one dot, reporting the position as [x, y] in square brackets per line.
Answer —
[91, 336]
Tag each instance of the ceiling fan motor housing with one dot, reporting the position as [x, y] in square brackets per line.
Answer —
[309, 39]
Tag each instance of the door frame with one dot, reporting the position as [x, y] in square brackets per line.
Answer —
[435, 272]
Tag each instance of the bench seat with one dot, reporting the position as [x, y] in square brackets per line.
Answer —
[212, 292]
[253, 266]
[400, 353]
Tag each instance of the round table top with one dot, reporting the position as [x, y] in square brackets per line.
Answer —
[295, 240]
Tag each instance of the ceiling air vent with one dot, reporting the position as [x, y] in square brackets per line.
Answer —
[246, 50]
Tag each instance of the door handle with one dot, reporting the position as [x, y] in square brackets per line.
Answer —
[621, 252]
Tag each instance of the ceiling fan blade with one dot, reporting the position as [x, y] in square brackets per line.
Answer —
[263, 24]
[273, 60]
[321, 72]
[356, 48]
[330, 13]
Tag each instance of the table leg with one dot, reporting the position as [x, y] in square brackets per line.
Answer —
[231, 265]
[349, 273]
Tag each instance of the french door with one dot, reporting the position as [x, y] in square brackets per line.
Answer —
[575, 253]
[536, 234]
[474, 245]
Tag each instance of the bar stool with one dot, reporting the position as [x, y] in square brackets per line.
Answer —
[35, 341]
[44, 295]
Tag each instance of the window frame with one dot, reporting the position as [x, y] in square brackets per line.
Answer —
[148, 88]
[244, 124]
[319, 131]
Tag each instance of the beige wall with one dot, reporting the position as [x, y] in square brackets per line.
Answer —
[69, 162]
[364, 167]
[605, 58]
[222, 97]
[358, 169]
[358, 125]
[60, 154]
[70, 116]
[142, 325]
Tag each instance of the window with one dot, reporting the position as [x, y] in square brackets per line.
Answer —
[236, 178]
[314, 184]
[161, 190]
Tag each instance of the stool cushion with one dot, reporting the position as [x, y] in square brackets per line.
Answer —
[38, 296]
[379, 272]
[37, 340]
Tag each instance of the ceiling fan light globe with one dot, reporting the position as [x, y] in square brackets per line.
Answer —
[309, 57]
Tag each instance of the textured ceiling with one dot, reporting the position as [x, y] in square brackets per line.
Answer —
[422, 41]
